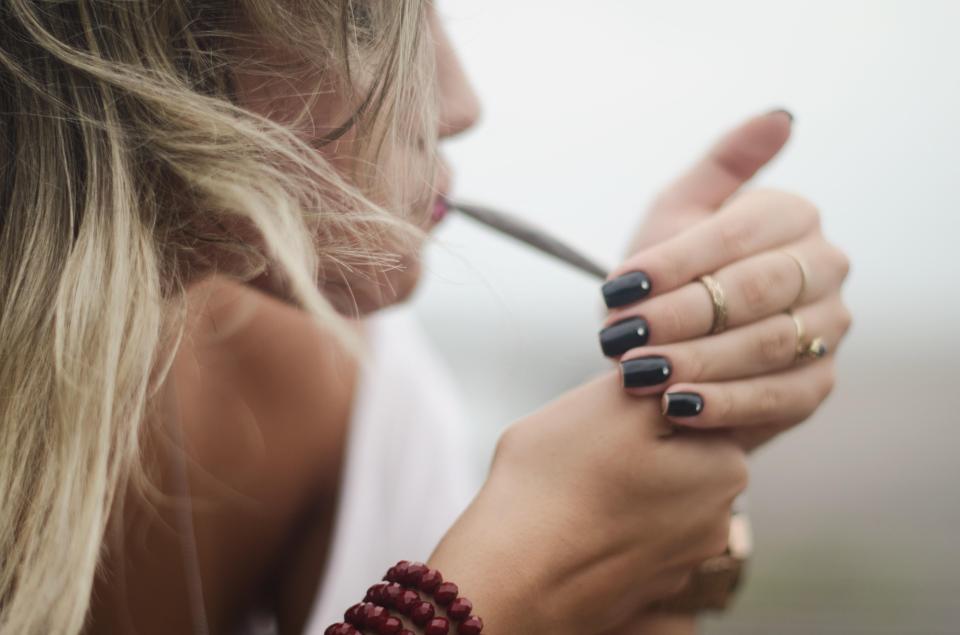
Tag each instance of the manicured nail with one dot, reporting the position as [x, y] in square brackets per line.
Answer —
[620, 337]
[783, 110]
[625, 289]
[682, 404]
[641, 372]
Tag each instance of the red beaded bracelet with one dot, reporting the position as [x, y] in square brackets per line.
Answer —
[419, 575]
[399, 591]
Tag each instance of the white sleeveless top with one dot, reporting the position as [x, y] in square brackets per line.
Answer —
[407, 475]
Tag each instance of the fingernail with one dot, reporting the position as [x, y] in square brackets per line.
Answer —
[784, 111]
[620, 337]
[682, 404]
[641, 372]
[625, 289]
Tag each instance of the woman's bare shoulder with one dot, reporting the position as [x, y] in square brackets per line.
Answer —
[264, 400]
[288, 383]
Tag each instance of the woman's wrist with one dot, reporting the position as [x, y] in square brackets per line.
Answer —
[502, 589]
[417, 598]
[502, 603]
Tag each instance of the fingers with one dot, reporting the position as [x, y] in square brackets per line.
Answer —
[749, 224]
[753, 289]
[760, 348]
[781, 399]
[732, 161]
[726, 167]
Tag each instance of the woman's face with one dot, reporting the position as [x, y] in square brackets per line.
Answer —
[458, 111]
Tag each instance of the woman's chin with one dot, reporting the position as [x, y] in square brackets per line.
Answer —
[394, 288]
[355, 297]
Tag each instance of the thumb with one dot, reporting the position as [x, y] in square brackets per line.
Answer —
[731, 162]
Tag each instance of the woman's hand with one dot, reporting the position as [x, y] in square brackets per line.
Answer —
[692, 199]
[589, 514]
[768, 254]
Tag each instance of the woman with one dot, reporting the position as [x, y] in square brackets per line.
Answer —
[199, 195]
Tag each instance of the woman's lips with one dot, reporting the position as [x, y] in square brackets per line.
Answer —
[442, 185]
[440, 208]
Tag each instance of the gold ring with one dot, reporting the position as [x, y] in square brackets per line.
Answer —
[800, 346]
[804, 277]
[816, 349]
[719, 304]
[813, 350]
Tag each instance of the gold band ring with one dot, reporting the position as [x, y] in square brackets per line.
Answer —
[815, 349]
[800, 334]
[804, 278]
[718, 299]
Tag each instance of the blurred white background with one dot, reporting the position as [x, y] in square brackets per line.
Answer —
[589, 108]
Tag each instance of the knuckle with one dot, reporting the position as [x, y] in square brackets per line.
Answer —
[737, 470]
[768, 402]
[843, 263]
[695, 365]
[805, 213]
[758, 291]
[723, 405]
[808, 406]
[669, 264]
[820, 389]
[846, 319]
[776, 346]
[807, 210]
[672, 321]
[736, 237]
[731, 472]
[803, 208]
[828, 381]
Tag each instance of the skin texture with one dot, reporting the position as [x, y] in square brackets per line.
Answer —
[266, 450]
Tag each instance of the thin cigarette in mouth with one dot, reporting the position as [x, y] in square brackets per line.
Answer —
[533, 236]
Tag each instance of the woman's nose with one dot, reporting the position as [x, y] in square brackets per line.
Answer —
[459, 104]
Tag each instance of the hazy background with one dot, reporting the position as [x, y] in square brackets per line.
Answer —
[589, 107]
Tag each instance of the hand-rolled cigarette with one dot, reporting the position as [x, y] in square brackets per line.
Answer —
[533, 236]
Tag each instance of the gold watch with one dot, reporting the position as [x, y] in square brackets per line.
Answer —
[714, 583]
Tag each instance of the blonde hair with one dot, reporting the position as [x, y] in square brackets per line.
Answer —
[126, 164]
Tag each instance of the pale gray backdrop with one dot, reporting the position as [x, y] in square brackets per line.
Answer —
[589, 107]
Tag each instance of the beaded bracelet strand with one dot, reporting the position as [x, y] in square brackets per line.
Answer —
[400, 592]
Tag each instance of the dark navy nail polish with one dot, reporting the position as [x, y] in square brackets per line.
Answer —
[784, 111]
[683, 404]
[641, 372]
[620, 337]
[625, 289]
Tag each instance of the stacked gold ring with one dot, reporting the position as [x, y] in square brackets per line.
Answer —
[719, 304]
[804, 277]
[814, 349]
